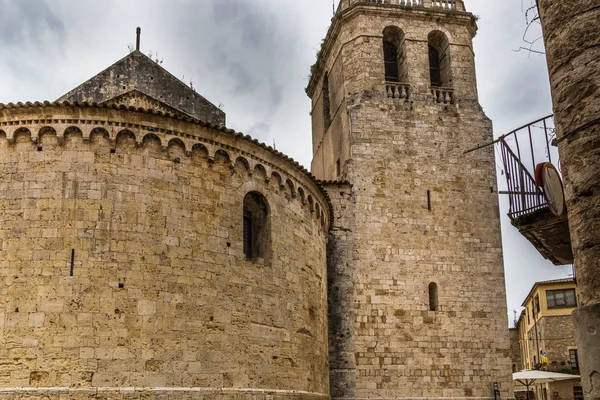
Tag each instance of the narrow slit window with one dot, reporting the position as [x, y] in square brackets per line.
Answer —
[256, 228]
[72, 270]
[429, 200]
[326, 102]
[433, 297]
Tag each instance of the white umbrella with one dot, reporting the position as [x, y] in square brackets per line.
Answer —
[529, 377]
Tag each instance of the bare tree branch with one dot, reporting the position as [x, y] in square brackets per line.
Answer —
[532, 18]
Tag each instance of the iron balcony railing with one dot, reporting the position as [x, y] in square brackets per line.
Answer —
[521, 151]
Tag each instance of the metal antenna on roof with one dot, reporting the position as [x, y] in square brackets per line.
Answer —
[138, 33]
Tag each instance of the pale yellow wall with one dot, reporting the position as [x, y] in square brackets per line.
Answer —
[544, 310]
[526, 324]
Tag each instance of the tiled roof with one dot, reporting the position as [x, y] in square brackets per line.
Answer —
[563, 280]
[550, 282]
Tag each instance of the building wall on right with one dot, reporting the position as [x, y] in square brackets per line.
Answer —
[545, 328]
[572, 51]
[546, 336]
[558, 341]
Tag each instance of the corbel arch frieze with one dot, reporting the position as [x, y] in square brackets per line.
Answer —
[191, 143]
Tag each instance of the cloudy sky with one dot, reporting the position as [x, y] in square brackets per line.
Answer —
[253, 56]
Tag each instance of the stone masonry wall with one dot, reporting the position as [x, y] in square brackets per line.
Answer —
[160, 301]
[340, 284]
[402, 246]
[515, 350]
[423, 212]
[572, 50]
[558, 337]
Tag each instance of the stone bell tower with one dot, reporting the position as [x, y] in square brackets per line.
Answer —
[417, 304]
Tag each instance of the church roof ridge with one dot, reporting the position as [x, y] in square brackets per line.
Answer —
[62, 98]
[137, 71]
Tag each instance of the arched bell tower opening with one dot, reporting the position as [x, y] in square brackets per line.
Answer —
[394, 56]
[440, 72]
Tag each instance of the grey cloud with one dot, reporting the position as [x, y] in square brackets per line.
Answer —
[260, 39]
[28, 22]
[260, 131]
[31, 25]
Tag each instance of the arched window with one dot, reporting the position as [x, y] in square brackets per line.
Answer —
[326, 102]
[434, 67]
[433, 297]
[394, 58]
[439, 60]
[390, 58]
[257, 227]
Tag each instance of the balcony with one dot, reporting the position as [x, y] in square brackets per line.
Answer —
[397, 90]
[442, 95]
[522, 151]
[456, 5]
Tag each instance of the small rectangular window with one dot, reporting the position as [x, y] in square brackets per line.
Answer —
[574, 359]
[577, 392]
[337, 168]
[561, 298]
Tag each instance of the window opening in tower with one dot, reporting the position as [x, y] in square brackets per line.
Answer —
[390, 58]
[435, 71]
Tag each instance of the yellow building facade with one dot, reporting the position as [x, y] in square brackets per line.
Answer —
[547, 337]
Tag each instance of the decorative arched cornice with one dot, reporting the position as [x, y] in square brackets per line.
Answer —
[110, 123]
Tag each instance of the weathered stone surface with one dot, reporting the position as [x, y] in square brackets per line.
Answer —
[159, 293]
[417, 211]
[515, 350]
[572, 50]
[587, 323]
[340, 293]
[136, 80]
